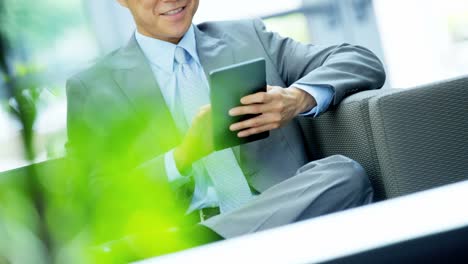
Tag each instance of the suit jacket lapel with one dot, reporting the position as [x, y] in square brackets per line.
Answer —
[136, 80]
[214, 53]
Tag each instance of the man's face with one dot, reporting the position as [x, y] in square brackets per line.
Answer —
[166, 20]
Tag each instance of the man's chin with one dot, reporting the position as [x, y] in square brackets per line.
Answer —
[178, 32]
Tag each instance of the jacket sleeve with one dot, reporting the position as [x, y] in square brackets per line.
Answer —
[345, 68]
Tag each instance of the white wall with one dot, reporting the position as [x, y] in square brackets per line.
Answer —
[417, 40]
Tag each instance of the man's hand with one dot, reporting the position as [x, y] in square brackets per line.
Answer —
[198, 142]
[276, 107]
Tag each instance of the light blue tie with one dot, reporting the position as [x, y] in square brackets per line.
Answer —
[228, 179]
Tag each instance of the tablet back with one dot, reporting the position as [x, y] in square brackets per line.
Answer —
[227, 86]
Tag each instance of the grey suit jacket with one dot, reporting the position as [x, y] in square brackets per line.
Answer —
[120, 94]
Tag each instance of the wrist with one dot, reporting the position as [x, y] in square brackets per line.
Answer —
[304, 101]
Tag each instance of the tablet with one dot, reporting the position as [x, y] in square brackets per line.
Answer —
[227, 86]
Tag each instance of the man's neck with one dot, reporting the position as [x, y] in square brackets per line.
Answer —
[174, 41]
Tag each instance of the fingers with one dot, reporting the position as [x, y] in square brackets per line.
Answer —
[203, 110]
[258, 121]
[256, 98]
[203, 115]
[260, 97]
[257, 130]
[258, 103]
[268, 104]
[250, 109]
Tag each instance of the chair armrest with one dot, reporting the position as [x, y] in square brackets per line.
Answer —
[346, 130]
[421, 136]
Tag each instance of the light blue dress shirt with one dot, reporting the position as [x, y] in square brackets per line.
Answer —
[160, 54]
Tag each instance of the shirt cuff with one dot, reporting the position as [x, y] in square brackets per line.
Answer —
[176, 179]
[322, 94]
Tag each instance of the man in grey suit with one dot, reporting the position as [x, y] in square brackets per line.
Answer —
[263, 184]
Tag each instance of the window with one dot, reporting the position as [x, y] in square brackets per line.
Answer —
[292, 25]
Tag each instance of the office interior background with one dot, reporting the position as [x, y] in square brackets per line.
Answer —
[419, 41]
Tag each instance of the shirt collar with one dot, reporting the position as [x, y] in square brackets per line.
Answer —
[161, 53]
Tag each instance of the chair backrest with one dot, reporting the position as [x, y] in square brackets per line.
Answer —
[421, 136]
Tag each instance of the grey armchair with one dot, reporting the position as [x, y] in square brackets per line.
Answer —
[408, 140]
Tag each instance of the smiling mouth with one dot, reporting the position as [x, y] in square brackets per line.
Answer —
[174, 11]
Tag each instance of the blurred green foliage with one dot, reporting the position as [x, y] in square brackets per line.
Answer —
[97, 209]
[22, 201]
[92, 207]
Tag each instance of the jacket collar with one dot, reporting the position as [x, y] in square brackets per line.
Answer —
[133, 74]
[213, 53]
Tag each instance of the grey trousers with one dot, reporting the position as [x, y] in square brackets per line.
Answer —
[320, 187]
